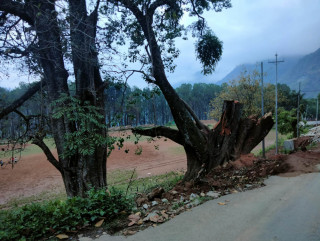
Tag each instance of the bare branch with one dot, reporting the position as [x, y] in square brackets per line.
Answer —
[17, 9]
[17, 103]
[196, 119]
[172, 134]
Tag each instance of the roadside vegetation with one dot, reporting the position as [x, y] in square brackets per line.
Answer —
[51, 214]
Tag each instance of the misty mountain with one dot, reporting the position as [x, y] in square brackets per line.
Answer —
[294, 69]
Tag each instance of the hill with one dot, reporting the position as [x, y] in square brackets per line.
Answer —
[294, 69]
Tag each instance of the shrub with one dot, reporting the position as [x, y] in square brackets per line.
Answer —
[39, 220]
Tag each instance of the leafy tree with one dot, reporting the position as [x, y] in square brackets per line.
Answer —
[48, 34]
[152, 27]
[287, 121]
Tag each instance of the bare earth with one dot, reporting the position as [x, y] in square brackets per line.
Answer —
[33, 174]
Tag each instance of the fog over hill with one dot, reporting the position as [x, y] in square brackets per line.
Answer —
[304, 69]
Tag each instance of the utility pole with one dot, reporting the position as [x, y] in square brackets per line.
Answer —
[262, 109]
[276, 62]
[298, 112]
[317, 111]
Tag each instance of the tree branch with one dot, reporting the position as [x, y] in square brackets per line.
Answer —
[159, 3]
[196, 119]
[172, 134]
[38, 140]
[17, 103]
[17, 9]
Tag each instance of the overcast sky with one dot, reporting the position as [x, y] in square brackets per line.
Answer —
[251, 31]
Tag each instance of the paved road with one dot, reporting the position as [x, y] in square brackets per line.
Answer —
[287, 209]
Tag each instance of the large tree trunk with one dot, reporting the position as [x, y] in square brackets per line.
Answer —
[79, 172]
[230, 138]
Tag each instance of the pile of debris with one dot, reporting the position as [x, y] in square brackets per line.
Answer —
[159, 206]
[314, 134]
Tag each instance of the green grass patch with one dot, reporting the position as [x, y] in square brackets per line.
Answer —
[41, 197]
[28, 150]
[176, 150]
[134, 185]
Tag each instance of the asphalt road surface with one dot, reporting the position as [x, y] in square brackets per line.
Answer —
[287, 209]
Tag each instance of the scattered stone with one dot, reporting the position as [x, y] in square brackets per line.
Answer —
[181, 198]
[140, 222]
[154, 203]
[155, 193]
[164, 200]
[104, 233]
[174, 192]
[193, 196]
[248, 186]
[80, 235]
[202, 194]
[145, 206]
[213, 194]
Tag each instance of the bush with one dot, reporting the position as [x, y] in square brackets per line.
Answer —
[39, 220]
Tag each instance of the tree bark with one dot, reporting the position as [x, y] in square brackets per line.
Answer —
[230, 138]
[79, 172]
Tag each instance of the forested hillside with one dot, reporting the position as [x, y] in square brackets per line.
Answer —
[294, 69]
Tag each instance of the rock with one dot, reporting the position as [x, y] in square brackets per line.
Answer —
[174, 192]
[248, 186]
[164, 200]
[154, 203]
[213, 194]
[288, 145]
[193, 196]
[141, 200]
[145, 206]
[202, 194]
[181, 198]
[140, 222]
[155, 193]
